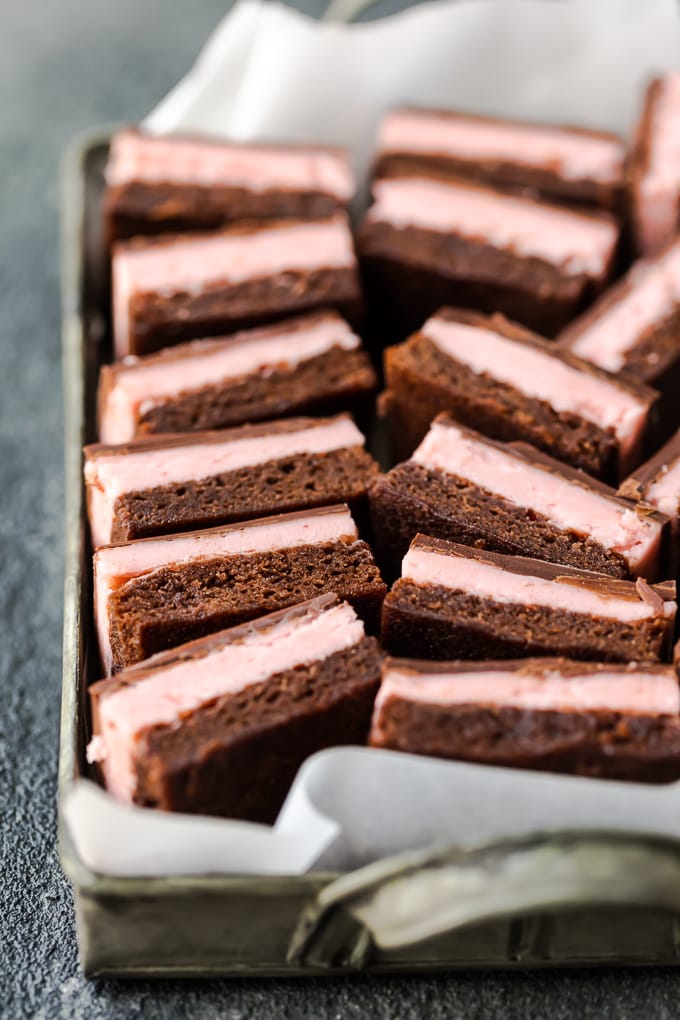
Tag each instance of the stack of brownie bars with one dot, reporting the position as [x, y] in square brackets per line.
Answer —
[518, 286]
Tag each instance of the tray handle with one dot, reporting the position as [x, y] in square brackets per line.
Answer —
[407, 898]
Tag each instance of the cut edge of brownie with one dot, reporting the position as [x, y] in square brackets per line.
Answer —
[272, 728]
[287, 484]
[158, 321]
[182, 602]
[602, 744]
[433, 621]
[459, 273]
[271, 725]
[422, 381]
[411, 498]
[517, 178]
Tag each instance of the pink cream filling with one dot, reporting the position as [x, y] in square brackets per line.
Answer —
[568, 154]
[664, 493]
[112, 475]
[565, 504]
[164, 697]
[656, 210]
[160, 160]
[543, 377]
[193, 264]
[143, 385]
[618, 691]
[653, 294]
[114, 565]
[426, 567]
[575, 242]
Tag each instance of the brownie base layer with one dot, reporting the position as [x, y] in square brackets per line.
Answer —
[656, 361]
[183, 602]
[157, 322]
[332, 382]
[431, 622]
[138, 209]
[410, 274]
[291, 483]
[509, 177]
[655, 348]
[239, 756]
[423, 381]
[412, 499]
[605, 744]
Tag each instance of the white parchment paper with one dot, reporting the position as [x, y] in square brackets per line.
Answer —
[350, 806]
[270, 73]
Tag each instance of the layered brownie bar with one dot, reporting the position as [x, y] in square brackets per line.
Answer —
[167, 484]
[655, 166]
[657, 484]
[457, 602]
[565, 163]
[159, 184]
[221, 726]
[308, 364]
[511, 498]
[156, 593]
[509, 384]
[428, 242]
[618, 722]
[635, 328]
[182, 286]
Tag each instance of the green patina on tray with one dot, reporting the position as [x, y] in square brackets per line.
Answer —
[555, 899]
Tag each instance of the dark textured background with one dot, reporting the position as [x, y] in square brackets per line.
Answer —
[66, 65]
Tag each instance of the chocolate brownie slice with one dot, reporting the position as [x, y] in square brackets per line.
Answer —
[634, 327]
[162, 184]
[428, 242]
[221, 726]
[156, 593]
[654, 175]
[513, 499]
[657, 484]
[182, 286]
[510, 384]
[167, 484]
[310, 364]
[565, 163]
[611, 721]
[457, 602]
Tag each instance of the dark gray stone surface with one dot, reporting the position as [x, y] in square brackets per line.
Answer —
[64, 66]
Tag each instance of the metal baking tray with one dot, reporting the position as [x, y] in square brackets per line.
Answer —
[552, 899]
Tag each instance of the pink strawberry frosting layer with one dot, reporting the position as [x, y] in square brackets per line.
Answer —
[165, 159]
[651, 295]
[622, 690]
[568, 154]
[149, 381]
[167, 695]
[487, 581]
[664, 493]
[566, 504]
[577, 243]
[116, 564]
[656, 203]
[544, 377]
[109, 476]
[193, 264]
